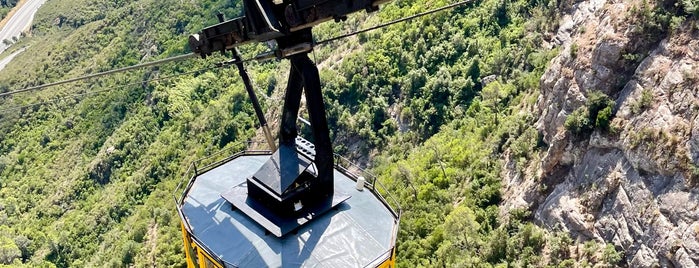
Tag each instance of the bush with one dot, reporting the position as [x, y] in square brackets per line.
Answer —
[578, 121]
[603, 118]
[567, 264]
[558, 245]
[589, 249]
[596, 114]
[574, 50]
[690, 7]
[611, 256]
[8, 249]
[642, 103]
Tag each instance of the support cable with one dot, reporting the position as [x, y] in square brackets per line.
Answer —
[227, 63]
[223, 64]
[73, 96]
[393, 22]
[143, 65]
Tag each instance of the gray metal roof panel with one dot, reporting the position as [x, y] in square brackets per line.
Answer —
[354, 235]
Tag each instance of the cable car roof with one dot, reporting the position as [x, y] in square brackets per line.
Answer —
[359, 233]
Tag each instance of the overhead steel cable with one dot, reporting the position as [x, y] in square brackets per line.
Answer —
[223, 64]
[264, 56]
[73, 96]
[142, 65]
[393, 22]
[55, 100]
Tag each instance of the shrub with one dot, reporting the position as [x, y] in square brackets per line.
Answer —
[589, 249]
[558, 244]
[603, 118]
[578, 121]
[597, 113]
[642, 103]
[567, 264]
[598, 101]
[610, 255]
[8, 249]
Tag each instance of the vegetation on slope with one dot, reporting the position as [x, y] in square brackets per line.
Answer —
[88, 181]
[444, 132]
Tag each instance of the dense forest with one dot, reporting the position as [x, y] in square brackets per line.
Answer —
[431, 106]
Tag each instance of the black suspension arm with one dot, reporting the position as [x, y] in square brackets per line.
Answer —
[266, 20]
[253, 98]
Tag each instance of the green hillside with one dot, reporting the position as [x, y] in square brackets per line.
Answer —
[88, 180]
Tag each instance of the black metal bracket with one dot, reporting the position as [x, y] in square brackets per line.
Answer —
[283, 195]
[297, 182]
[265, 20]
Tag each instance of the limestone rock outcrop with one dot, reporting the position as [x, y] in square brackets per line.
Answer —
[635, 185]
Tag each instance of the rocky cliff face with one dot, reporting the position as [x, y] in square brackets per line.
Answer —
[635, 184]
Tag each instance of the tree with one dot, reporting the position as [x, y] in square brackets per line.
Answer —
[462, 229]
[492, 96]
[8, 249]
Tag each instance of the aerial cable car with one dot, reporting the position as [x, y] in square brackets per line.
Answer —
[291, 206]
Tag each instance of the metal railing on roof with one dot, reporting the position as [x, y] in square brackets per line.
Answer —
[207, 163]
[376, 186]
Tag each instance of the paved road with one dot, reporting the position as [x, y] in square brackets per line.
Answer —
[9, 58]
[21, 21]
